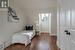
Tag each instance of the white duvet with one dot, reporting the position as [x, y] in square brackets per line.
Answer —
[23, 37]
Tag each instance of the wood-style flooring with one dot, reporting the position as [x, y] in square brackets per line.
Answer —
[40, 42]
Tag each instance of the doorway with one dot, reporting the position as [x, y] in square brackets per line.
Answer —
[45, 22]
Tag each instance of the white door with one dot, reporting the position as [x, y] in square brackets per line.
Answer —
[67, 25]
[64, 25]
[72, 29]
[45, 22]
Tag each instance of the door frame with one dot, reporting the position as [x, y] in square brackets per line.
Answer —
[49, 23]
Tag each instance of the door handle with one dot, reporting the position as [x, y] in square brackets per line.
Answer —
[67, 33]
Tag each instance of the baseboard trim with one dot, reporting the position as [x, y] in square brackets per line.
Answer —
[53, 34]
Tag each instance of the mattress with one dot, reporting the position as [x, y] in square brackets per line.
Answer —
[31, 33]
[23, 37]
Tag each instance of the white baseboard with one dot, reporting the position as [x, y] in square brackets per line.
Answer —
[53, 34]
[58, 44]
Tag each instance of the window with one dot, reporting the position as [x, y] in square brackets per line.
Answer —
[44, 16]
[3, 3]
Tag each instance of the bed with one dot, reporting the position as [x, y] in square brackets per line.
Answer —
[23, 37]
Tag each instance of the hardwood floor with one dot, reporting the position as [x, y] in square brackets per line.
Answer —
[41, 42]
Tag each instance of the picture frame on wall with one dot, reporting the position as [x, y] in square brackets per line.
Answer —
[4, 3]
[12, 15]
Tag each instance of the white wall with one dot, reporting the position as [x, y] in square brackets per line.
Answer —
[7, 29]
[33, 17]
[32, 8]
[54, 22]
[28, 11]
